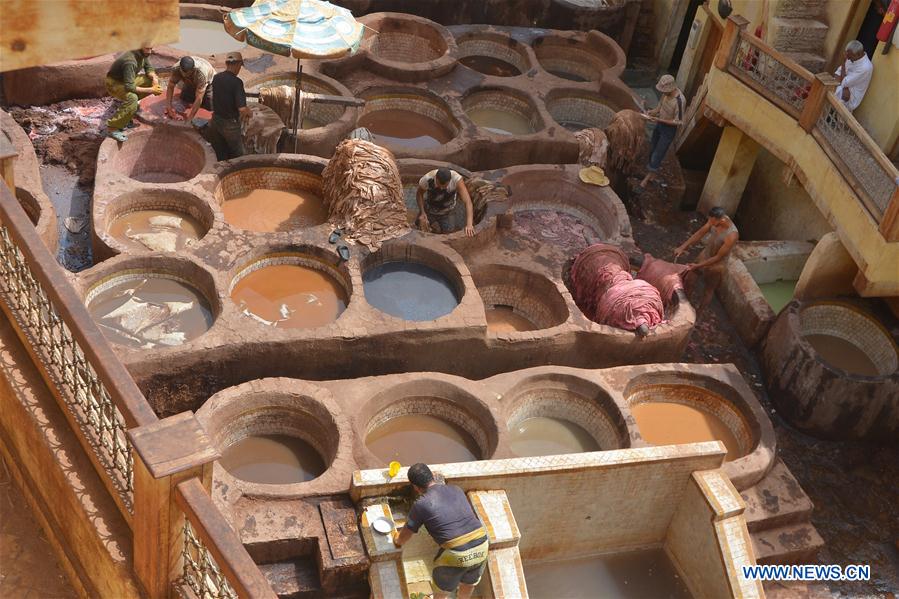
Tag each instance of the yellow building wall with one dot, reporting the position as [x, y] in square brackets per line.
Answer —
[879, 111]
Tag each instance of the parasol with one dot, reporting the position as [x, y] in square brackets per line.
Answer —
[297, 28]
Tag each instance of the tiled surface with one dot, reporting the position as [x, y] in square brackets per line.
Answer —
[244, 181]
[161, 151]
[854, 327]
[483, 46]
[407, 47]
[419, 103]
[580, 108]
[504, 102]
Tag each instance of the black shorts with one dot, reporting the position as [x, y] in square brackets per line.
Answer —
[447, 578]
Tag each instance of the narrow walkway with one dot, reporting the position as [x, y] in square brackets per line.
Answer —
[28, 567]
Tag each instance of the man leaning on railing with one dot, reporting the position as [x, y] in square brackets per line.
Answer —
[854, 75]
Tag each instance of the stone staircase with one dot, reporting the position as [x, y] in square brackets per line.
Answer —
[798, 30]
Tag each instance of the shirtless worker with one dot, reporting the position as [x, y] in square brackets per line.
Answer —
[447, 514]
[720, 235]
[436, 196]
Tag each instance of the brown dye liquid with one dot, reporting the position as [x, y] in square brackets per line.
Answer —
[420, 438]
[150, 312]
[668, 423]
[501, 122]
[272, 460]
[634, 575]
[501, 319]
[271, 210]
[842, 354]
[549, 436]
[490, 66]
[405, 128]
[290, 296]
[157, 230]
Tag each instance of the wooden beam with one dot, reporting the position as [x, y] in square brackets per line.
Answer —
[817, 98]
[732, 28]
[42, 32]
[889, 224]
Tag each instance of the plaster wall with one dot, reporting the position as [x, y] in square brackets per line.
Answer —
[879, 111]
[842, 15]
[771, 209]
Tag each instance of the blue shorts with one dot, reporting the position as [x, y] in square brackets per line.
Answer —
[447, 579]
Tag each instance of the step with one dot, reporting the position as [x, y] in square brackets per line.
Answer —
[791, 544]
[777, 500]
[816, 63]
[801, 9]
[298, 579]
[798, 35]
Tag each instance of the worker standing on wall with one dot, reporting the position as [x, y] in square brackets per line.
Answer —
[195, 75]
[668, 116]
[720, 236]
[447, 514]
[230, 104]
[436, 196]
[125, 82]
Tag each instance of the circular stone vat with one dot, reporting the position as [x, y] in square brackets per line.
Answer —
[493, 54]
[290, 291]
[148, 309]
[412, 121]
[271, 199]
[161, 155]
[503, 112]
[410, 290]
[202, 37]
[406, 40]
[433, 422]
[159, 220]
[572, 59]
[518, 300]
[847, 340]
[576, 110]
[671, 414]
[320, 114]
[273, 432]
[559, 414]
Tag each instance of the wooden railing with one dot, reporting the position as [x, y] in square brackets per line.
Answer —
[810, 100]
[153, 469]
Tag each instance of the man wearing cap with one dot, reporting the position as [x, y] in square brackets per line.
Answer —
[195, 75]
[447, 514]
[230, 104]
[125, 82]
[667, 116]
[436, 197]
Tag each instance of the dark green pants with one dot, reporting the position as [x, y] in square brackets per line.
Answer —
[225, 137]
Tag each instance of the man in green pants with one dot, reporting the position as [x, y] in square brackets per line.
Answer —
[125, 82]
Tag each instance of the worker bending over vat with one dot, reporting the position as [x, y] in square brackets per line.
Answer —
[437, 194]
[447, 514]
[720, 235]
[195, 75]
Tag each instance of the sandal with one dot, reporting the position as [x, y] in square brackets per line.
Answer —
[344, 252]
[335, 235]
[117, 135]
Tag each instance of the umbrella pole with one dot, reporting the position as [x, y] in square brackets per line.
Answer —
[296, 104]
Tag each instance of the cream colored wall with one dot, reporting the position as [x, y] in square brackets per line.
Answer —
[770, 209]
[838, 12]
[879, 111]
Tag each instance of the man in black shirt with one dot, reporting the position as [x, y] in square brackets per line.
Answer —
[230, 104]
[447, 514]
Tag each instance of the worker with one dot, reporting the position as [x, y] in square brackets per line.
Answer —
[447, 514]
[195, 75]
[854, 75]
[124, 81]
[668, 116]
[721, 236]
[230, 105]
[436, 196]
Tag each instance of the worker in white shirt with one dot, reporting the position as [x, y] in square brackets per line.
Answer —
[854, 76]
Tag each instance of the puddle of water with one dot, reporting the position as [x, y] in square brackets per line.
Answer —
[409, 290]
[638, 574]
[489, 65]
[271, 210]
[150, 312]
[156, 230]
[405, 128]
[70, 200]
[549, 436]
[842, 354]
[501, 319]
[206, 37]
[502, 122]
[778, 293]
[272, 460]
[421, 438]
[290, 296]
[669, 423]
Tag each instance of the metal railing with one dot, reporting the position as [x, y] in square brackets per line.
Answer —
[92, 387]
[764, 69]
[215, 563]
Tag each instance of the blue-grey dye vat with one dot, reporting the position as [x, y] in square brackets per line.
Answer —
[409, 290]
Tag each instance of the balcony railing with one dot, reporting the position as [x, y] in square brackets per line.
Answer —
[182, 544]
[810, 100]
